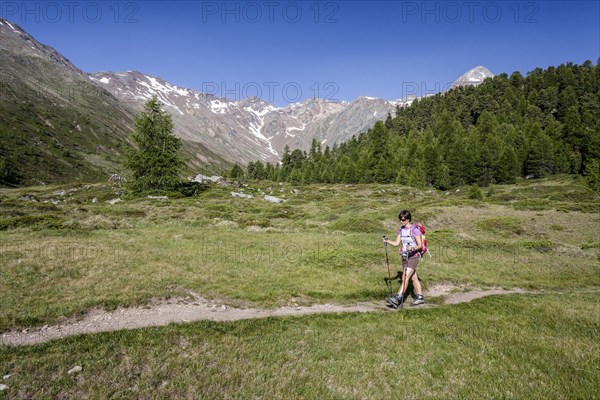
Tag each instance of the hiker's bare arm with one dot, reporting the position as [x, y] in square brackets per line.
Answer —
[419, 240]
[396, 243]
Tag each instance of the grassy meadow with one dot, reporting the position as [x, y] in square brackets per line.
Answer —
[65, 250]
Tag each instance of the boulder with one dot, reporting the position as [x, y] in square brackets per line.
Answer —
[273, 199]
[242, 195]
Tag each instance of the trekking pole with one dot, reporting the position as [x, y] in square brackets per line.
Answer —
[388, 282]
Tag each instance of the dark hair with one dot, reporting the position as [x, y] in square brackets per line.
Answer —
[405, 214]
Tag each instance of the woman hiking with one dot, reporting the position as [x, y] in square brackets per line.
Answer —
[411, 240]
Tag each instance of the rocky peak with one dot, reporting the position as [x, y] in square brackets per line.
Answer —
[473, 77]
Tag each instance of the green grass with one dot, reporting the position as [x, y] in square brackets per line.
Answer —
[505, 226]
[522, 346]
[357, 224]
[64, 249]
[77, 253]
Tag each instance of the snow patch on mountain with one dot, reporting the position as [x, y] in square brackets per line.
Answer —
[101, 80]
[12, 27]
[294, 128]
[473, 77]
[218, 107]
[251, 128]
[256, 130]
[261, 112]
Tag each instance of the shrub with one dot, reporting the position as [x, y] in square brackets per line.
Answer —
[504, 226]
[475, 193]
[44, 221]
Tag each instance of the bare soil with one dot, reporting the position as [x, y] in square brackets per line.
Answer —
[162, 313]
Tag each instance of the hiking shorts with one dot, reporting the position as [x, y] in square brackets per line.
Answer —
[412, 262]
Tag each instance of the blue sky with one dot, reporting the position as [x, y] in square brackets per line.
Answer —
[292, 50]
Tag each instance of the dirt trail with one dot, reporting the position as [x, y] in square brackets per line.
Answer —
[178, 311]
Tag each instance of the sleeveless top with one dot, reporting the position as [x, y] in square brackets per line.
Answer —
[408, 240]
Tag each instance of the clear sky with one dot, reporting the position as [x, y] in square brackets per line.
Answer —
[292, 50]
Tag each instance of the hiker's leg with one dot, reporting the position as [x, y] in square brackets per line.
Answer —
[416, 283]
[403, 283]
[408, 274]
[412, 264]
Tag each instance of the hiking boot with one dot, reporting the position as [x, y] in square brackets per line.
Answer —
[419, 300]
[395, 301]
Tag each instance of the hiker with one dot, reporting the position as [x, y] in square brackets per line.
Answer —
[411, 240]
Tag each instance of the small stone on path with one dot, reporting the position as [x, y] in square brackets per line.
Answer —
[74, 370]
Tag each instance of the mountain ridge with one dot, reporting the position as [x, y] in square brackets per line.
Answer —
[215, 129]
[260, 129]
[251, 128]
[56, 124]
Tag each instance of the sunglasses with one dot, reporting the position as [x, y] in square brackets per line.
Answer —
[403, 219]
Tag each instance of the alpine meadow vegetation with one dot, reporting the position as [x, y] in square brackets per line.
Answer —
[504, 176]
[68, 251]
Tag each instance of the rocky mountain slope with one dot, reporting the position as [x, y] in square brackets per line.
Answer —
[59, 123]
[473, 77]
[248, 129]
[253, 129]
[54, 123]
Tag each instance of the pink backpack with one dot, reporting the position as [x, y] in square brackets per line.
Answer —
[422, 229]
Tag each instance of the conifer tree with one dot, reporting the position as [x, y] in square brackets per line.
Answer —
[9, 174]
[251, 169]
[487, 125]
[592, 173]
[442, 177]
[540, 158]
[388, 121]
[592, 145]
[566, 99]
[286, 163]
[236, 172]
[483, 166]
[259, 170]
[415, 176]
[572, 128]
[327, 176]
[154, 164]
[517, 81]
[508, 166]
[432, 160]
[471, 156]
[269, 172]
[350, 173]
[295, 177]
[575, 162]
[307, 173]
[402, 176]
[315, 151]
[549, 120]
[276, 174]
